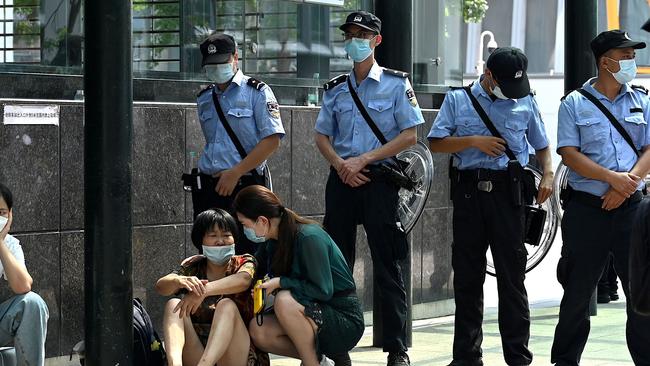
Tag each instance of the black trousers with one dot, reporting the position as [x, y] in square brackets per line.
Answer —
[483, 219]
[589, 235]
[206, 198]
[608, 284]
[374, 205]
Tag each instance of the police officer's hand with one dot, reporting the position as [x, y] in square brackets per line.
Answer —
[625, 183]
[358, 179]
[228, 180]
[612, 199]
[493, 146]
[545, 188]
[350, 167]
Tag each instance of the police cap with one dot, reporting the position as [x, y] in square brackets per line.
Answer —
[217, 48]
[362, 19]
[508, 65]
[616, 38]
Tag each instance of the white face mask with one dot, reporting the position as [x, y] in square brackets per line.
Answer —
[627, 71]
[220, 73]
[3, 222]
[497, 91]
[219, 255]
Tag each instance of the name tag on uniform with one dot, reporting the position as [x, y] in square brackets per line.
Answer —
[636, 110]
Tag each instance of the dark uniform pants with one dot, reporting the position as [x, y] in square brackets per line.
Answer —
[589, 235]
[206, 198]
[375, 206]
[483, 219]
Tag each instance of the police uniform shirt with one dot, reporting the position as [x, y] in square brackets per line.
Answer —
[581, 124]
[387, 97]
[518, 121]
[252, 114]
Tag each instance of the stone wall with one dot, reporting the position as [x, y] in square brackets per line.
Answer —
[43, 165]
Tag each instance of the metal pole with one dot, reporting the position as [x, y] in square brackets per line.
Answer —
[395, 52]
[107, 193]
[580, 27]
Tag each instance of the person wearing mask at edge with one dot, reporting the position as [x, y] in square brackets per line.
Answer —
[253, 114]
[23, 317]
[485, 211]
[208, 324]
[604, 192]
[358, 190]
[316, 311]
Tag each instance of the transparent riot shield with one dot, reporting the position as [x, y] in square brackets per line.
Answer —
[537, 252]
[420, 168]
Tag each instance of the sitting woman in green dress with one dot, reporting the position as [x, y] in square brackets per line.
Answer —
[208, 325]
[315, 311]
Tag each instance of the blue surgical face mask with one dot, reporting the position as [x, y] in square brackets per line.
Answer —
[219, 255]
[358, 49]
[219, 73]
[249, 233]
[627, 72]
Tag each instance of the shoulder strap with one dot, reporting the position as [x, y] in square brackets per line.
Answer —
[373, 126]
[611, 118]
[398, 73]
[226, 125]
[334, 82]
[487, 121]
[640, 88]
[209, 87]
[255, 83]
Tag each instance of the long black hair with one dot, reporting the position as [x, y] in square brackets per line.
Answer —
[5, 193]
[210, 219]
[255, 201]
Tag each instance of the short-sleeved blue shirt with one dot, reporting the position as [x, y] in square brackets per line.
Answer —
[253, 115]
[389, 100]
[581, 124]
[518, 121]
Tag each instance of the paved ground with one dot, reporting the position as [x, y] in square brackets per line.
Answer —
[432, 340]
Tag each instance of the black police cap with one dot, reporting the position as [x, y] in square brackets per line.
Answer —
[217, 48]
[362, 19]
[508, 65]
[616, 38]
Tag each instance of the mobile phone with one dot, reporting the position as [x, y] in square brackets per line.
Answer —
[258, 297]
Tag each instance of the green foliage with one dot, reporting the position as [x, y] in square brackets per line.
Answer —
[474, 10]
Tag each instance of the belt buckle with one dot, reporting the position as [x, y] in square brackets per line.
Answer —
[485, 186]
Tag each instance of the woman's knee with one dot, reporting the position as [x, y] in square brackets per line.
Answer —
[284, 303]
[226, 306]
[259, 334]
[171, 305]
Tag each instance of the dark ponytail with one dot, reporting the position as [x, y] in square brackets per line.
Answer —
[255, 201]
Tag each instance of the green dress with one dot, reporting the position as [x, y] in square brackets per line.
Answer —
[321, 281]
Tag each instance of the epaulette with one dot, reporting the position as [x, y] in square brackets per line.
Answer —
[255, 83]
[209, 87]
[566, 95]
[640, 88]
[334, 82]
[397, 73]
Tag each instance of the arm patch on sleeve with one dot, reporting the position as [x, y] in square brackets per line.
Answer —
[273, 108]
[410, 94]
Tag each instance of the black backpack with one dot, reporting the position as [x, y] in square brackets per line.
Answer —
[147, 347]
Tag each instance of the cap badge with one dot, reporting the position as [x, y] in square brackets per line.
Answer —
[358, 18]
[627, 36]
[212, 49]
[519, 74]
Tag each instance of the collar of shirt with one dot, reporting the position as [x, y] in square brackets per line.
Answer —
[477, 89]
[374, 74]
[589, 86]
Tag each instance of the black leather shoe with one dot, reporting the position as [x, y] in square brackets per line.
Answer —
[478, 362]
[602, 299]
[398, 359]
[613, 295]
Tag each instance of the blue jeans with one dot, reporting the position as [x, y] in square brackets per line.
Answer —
[23, 320]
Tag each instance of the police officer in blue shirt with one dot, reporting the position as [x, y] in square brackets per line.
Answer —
[357, 191]
[605, 182]
[253, 115]
[484, 211]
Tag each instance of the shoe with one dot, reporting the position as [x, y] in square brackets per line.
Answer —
[613, 296]
[341, 359]
[478, 362]
[398, 359]
[602, 299]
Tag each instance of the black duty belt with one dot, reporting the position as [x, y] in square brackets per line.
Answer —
[595, 201]
[486, 180]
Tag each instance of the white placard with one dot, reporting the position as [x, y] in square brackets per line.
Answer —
[31, 114]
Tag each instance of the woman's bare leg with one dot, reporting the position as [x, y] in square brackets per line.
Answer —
[300, 329]
[270, 337]
[228, 343]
